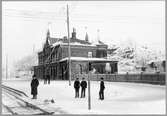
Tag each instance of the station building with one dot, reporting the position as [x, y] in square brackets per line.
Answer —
[54, 60]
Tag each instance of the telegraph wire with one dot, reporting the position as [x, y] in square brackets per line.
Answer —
[78, 19]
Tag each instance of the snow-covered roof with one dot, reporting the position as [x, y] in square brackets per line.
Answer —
[73, 43]
[57, 43]
[86, 59]
[97, 42]
[114, 57]
[76, 43]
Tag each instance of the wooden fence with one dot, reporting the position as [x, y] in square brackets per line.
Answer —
[152, 78]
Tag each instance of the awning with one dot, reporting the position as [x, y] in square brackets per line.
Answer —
[88, 59]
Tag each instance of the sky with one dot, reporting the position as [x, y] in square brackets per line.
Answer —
[24, 24]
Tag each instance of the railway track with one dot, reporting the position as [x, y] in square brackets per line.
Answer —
[17, 102]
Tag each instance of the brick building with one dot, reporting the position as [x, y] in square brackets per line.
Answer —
[53, 59]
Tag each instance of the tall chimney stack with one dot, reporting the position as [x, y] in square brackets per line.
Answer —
[74, 33]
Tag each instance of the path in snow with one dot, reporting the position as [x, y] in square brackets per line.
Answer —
[120, 98]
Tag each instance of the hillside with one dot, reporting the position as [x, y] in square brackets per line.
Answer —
[132, 57]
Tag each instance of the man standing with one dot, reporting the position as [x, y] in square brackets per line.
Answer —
[77, 86]
[45, 79]
[34, 85]
[83, 86]
[48, 78]
[101, 92]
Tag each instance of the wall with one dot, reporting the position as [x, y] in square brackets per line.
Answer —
[78, 51]
[76, 69]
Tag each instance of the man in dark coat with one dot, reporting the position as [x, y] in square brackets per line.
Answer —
[83, 86]
[101, 92]
[48, 78]
[45, 79]
[34, 85]
[77, 86]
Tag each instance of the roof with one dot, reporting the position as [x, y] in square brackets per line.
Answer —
[100, 42]
[53, 40]
[65, 40]
[87, 59]
[73, 39]
[74, 44]
[79, 41]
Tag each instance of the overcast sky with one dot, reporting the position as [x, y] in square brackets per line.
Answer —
[24, 24]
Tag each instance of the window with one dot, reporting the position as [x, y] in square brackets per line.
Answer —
[80, 69]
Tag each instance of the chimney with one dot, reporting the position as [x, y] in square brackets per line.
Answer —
[86, 37]
[47, 36]
[48, 33]
[74, 34]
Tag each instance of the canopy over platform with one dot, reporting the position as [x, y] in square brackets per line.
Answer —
[88, 59]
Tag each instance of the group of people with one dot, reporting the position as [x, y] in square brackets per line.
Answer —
[77, 85]
[83, 85]
[46, 79]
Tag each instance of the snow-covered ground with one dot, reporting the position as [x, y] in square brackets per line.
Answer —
[120, 98]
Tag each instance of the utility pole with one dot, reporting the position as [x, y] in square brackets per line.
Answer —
[89, 96]
[89, 72]
[69, 48]
[6, 66]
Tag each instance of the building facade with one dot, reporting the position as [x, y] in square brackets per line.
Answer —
[53, 59]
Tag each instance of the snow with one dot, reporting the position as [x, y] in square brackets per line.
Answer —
[71, 43]
[57, 43]
[120, 98]
[79, 44]
[85, 59]
[97, 42]
[140, 55]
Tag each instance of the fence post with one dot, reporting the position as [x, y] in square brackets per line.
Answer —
[114, 77]
[141, 76]
[158, 79]
[97, 77]
[106, 77]
[127, 76]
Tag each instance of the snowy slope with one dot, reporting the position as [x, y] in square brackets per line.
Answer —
[131, 55]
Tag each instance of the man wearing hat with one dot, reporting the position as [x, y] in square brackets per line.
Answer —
[102, 87]
[34, 85]
[77, 86]
[83, 86]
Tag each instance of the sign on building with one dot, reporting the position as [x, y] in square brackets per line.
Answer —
[89, 54]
